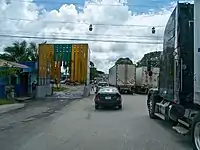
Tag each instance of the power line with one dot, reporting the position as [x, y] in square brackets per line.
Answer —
[86, 34]
[91, 3]
[79, 22]
[73, 39]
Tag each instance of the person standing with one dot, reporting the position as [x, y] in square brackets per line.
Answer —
[92, 87]
[34, 85]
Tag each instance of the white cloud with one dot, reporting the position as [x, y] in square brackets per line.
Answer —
[46, 24]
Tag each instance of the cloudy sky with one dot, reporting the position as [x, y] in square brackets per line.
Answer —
[122, 28]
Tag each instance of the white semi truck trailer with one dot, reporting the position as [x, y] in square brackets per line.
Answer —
[123, 76]
[144, 81]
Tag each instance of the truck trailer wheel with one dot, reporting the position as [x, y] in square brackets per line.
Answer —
[195, 132]
[151, 103]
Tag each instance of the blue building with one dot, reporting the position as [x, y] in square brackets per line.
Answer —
[21, 82]
[27, 77]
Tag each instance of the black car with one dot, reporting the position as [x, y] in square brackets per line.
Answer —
[101, 84]
[108, 97]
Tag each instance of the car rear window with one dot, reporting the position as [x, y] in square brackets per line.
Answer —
[103, 84]
[114, 90]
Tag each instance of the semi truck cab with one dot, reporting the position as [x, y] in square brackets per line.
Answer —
[177, 98]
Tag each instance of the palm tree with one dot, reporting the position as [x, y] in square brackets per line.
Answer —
[20, 51]
[32, 51]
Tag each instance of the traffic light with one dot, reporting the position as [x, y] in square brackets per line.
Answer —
[153, 30]
[90, 27]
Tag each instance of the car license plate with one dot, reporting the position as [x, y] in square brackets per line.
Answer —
[107, 98]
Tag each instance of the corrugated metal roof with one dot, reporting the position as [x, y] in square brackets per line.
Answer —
[12, 64]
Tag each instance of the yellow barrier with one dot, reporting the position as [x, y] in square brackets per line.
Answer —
[45, 57]
[79, 62]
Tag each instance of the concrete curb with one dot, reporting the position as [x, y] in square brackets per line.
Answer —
[67, 98]
[10, 107]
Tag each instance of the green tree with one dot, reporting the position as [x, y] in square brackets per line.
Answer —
[100, 72]
[154, 57]
[93, 71]
[124, 61]
[20, 51]
[91, 64]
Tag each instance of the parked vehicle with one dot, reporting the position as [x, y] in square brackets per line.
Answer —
[65, 81]
[108, 97]
[101, 84]
[123, 77]
[144, 81]
[177, 97]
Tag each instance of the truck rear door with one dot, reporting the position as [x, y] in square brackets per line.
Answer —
[131, 75]
[121, 75]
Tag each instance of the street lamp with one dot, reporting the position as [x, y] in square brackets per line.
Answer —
[90, 27]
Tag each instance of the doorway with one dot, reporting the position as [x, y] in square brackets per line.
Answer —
[24, 84]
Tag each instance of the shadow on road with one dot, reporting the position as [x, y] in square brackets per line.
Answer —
[107, 109]
[182, 139]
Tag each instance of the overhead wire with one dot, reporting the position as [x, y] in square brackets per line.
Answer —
[66, 22]
[79, 22]
[89, 3]
[61, 33]
[77, 39]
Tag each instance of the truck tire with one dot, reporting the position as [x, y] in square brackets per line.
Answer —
[195, 132]
[151, 103]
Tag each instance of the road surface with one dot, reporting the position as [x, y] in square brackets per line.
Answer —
[78, 126]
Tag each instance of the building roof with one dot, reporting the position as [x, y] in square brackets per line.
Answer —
[12, 64]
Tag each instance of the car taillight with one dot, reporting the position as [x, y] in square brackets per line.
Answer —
[119, 97]
[96, 98]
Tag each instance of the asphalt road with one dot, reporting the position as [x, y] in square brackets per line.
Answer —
[78, 126]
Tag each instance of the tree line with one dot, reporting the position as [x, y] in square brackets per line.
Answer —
[154, 57]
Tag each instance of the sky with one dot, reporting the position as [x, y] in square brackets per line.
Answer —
[121, 28]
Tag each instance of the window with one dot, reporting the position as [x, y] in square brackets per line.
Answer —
[103, 84]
